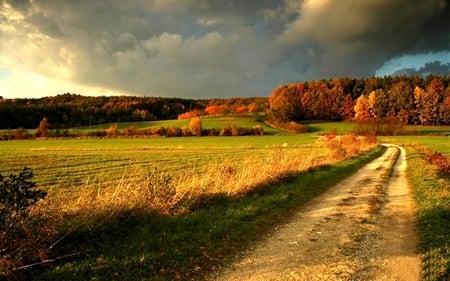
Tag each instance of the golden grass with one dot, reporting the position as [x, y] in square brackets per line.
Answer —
[147, 187]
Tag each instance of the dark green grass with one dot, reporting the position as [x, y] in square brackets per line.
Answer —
[319, 127]
[433, 203]
[143, 245]
[216, 122]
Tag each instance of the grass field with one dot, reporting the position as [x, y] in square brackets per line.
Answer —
[96, 187]
[437, 143]
[100, 188]
[215, 122]
[70, 162]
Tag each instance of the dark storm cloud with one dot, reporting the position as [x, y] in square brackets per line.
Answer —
[204, 48]
[352, 37]
[436, 67]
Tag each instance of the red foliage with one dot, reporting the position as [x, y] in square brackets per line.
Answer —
[441, 162]
[217, 109]
[189, 115]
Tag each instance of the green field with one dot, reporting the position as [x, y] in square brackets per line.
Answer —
[216, 122]
[436, 143]
[135, 242]
[70, 162]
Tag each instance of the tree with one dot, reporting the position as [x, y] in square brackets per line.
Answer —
[428, 102]
[363, 108]
[195, 126]
[285, 104]
[401, 101]
[42, 130]
[347, 109]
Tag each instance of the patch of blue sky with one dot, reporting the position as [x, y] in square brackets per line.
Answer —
[5, 73]
[412, 61]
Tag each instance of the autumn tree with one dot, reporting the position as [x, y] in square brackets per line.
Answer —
[347, 109]
[285, 104]
[428, 102]
[195, 126]
[401, 102]
[42, 129]
[364, 107]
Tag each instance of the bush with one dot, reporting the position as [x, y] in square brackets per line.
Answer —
[295, 127]
[130, 131]
[112, 131]
[439, 161]
[22, 237]
[17, 195]
[174, 132]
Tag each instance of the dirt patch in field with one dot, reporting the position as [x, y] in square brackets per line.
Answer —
[361, 229]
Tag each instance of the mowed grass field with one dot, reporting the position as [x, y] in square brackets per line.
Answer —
[94, 187]
[165, 208]
[436, 143]
[67, 163]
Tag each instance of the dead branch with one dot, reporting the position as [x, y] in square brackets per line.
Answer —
[44, 262]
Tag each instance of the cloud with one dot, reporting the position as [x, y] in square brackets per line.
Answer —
[350, 37]
[221, 48]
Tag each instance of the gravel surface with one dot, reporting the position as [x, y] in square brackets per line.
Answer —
[361, 229]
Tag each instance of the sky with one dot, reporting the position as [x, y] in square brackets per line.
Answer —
[213, 48]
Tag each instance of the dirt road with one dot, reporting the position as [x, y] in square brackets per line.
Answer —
[361, 229]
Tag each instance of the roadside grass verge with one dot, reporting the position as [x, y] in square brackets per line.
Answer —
[140, 244]
[432, 194]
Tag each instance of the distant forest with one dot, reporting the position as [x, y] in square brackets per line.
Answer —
[407, 99]
[72, 110]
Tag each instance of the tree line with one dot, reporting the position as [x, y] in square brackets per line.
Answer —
[73, 110]
[404, 99]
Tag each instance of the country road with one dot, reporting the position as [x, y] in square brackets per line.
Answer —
[361, 229]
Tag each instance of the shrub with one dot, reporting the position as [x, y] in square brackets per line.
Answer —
[20, 133]
[225, 132]
[112, 131]
[21, 237]
[158, 131]
[130, 131]
[258, 130]
[295, 127]
[17, 195]
[174, 132]
[439, 161]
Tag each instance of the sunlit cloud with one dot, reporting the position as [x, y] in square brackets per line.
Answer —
[31, 85]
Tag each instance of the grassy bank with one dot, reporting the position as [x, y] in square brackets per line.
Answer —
[433, 202]
[145, 245]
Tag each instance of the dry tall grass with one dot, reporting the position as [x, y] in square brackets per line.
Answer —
[143, 187]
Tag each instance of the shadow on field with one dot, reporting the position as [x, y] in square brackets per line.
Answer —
[143, 244]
